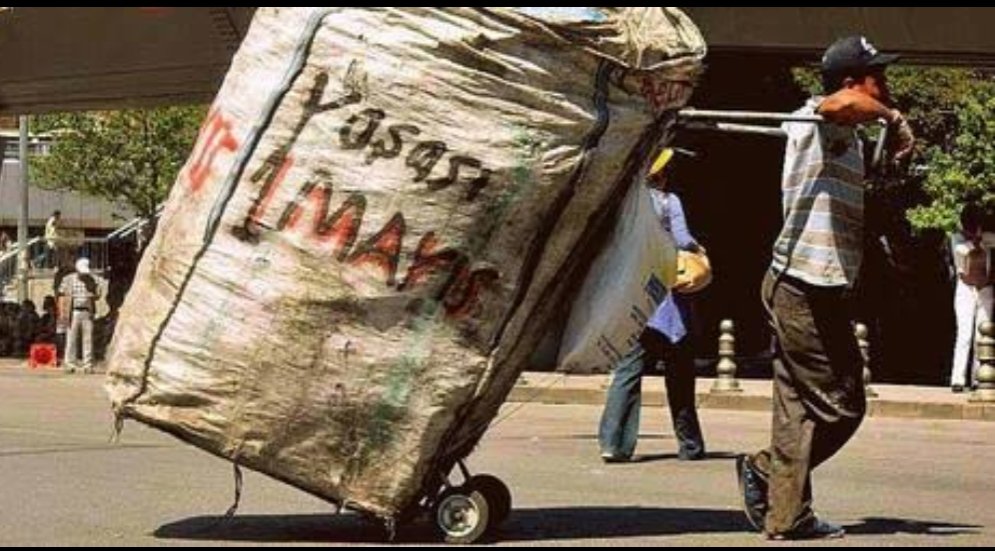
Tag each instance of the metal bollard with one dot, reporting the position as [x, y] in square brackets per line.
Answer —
[986, 371]
[726, 381]
[861, 332]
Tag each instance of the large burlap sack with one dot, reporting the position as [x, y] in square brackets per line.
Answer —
[624, 286]
[381, 213]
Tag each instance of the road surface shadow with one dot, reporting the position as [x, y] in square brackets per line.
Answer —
[710, 456]
[345, 528]
[874, 526]
[524, 525]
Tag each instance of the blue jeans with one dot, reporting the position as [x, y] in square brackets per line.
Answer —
[619, 430]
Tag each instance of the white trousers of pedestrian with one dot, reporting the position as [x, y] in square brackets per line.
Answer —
[973, 307]
[80, 336]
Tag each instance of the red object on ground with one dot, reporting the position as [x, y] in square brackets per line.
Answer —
[43, 356]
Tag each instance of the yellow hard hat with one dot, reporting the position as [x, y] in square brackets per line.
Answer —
[661, 161]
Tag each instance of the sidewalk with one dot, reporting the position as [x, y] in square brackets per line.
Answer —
[10, 367]
[914, 402]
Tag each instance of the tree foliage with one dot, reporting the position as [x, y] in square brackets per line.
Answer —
[128, 156]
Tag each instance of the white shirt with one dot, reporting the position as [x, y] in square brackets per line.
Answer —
[52, 230]
[961, 246]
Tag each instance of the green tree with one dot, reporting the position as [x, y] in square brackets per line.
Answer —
[963, 169]
[127, 156]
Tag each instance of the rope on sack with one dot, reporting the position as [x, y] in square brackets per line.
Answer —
[390, 525]
[117, 428]
[230, 513]
[238, 493]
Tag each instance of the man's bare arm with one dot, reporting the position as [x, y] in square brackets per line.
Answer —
[850, 108]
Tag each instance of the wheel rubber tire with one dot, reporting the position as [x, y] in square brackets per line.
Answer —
[496, 493]
[462, 515]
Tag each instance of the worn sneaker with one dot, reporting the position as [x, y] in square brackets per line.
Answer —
[609, 457]
[685, 455]
[753, 488]
[817, 529]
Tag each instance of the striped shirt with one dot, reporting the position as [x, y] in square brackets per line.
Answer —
[82, 291]
[821, 242]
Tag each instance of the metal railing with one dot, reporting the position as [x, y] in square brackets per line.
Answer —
[133, 226]
[44, 260]
[8, 262]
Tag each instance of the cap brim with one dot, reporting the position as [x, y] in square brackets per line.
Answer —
[881, 60]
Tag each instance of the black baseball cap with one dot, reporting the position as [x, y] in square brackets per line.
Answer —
[854, 54]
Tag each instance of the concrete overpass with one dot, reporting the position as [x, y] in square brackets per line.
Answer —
[82, 58]
[929, 36]
[89, 58]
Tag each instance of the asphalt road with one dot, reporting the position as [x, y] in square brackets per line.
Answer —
[901, 482]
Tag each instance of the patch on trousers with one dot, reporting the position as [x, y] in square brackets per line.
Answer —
[845, 396]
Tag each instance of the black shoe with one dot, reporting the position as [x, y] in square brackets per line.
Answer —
[957, 389]
[754, 491]
[815, 530]
[688, 455]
